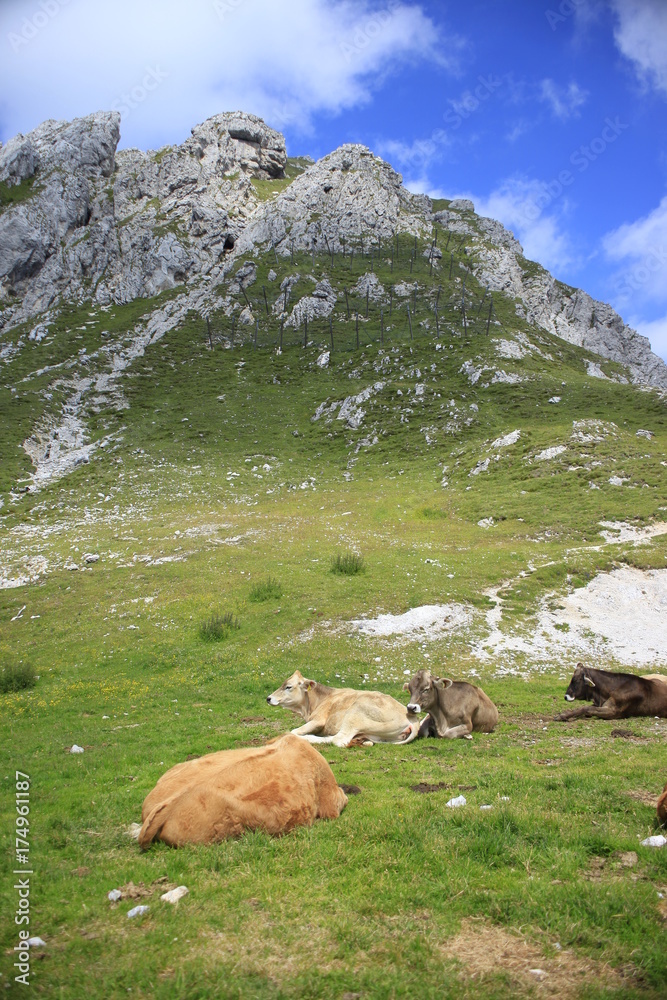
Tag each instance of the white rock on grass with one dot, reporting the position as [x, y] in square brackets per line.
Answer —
[36, 942]
[548, 453]
[656, 841]
[457, 802]
[137, 911]
[75, 748]
[430, 621]
[114, 895]
[174, 895]
[507, 440]
[482, 466]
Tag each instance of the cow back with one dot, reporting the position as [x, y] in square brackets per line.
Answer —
[274, 788]
[462, 700]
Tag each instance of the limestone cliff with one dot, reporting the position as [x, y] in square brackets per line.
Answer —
[80, 220]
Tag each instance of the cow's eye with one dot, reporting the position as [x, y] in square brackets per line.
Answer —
[288, 687]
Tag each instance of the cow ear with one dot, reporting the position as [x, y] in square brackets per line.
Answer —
[406, 686]
[438, 683]
[447, 682]
[306, 684]
[588, 681]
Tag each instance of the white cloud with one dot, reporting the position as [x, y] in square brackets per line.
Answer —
[534, 214]
[641, 248]
[419, 153]
[641, 35]
[563, 101]
[521, 204]
[285, 62]
[640, 282]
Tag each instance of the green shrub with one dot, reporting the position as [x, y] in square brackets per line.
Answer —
[266, 590]
[347, 563]
[14, 194]
[217, 627]
[17, 677]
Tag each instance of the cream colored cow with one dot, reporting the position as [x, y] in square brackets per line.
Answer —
[343, 715]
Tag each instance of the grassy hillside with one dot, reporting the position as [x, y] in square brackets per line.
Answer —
[214, 477]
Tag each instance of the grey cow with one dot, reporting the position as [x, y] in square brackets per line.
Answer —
[455, 708]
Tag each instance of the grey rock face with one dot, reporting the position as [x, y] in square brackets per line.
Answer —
[130, 224]
[566, 312]
[115, 226]
[353, 195]
[318, 305]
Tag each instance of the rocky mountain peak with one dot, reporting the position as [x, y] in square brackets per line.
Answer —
[85, 222]
[85, 145]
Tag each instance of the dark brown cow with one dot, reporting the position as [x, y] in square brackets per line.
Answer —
[614, 696]
[662, 807]
[276, 787]
[455, 708]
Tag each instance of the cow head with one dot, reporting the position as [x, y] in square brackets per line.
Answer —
[293, 693]
[581, 686]
[424, 689]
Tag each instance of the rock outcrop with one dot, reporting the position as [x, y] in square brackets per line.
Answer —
[90, 223]
[117, 226]
[349, 198]
[569, 313]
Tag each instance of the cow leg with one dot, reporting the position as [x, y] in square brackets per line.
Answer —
[307, 728]
[341, 739]
[463, 731]
[607, 711]
[427, 728]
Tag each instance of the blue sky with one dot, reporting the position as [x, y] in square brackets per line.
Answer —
[550, 114]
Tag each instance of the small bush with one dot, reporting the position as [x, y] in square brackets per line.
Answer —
[17, 677]
[347, 563]
[218, 627]
[266, 590]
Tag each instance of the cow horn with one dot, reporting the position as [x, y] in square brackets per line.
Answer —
[588, 681]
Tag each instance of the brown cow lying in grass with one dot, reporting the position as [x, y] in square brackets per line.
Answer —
[662, 807]
[342, 715]
[273, 788]
[614, 696]
[455, 708]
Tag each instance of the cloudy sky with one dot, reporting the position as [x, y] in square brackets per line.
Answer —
[550, 114]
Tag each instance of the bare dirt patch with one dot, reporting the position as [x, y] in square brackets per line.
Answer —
[619, 616]
[484, 950]
[627, 734]
[141, 891]
[428, 622]
[646, 798]
[423, 788]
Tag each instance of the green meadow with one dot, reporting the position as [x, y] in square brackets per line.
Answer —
[218, 500]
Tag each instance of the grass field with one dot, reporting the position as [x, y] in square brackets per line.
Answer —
[218, 494]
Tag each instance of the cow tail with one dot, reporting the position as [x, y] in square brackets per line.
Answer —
[153, 824]
[414, 726]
